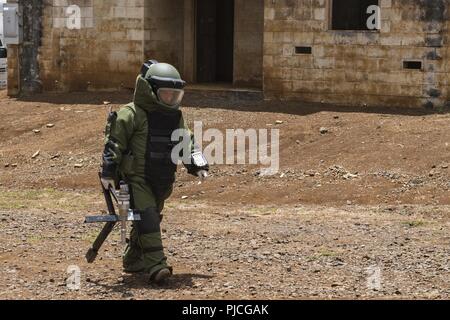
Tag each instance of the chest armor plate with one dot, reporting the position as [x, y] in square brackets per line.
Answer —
[159, 168]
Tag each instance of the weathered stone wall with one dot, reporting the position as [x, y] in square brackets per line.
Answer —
[105, 53]
[344, 67]
[13, 86]
[164, 25]
[32, 33]
[114, 39]
[357, 68]
[248, 42]
[23, 65]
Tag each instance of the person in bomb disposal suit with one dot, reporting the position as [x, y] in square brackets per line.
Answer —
[138, 148]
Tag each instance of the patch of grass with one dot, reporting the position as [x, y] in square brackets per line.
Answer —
[414, 223]
[35, 239]
[11, 205]
[47, 198]
[322, 253]
[311, 258]
[325, 252]
[261, 211]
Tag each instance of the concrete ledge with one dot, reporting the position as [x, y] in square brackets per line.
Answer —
[224, 92]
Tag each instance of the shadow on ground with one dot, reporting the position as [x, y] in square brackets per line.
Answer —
[88, 98]
[141, 281]
[229, 101]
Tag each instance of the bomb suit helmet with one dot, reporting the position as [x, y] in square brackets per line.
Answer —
[165, 82]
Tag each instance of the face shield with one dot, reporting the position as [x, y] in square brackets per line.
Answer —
[169, 91]
[170, 97]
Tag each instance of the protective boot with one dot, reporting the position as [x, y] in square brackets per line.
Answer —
[132, 259]
[150, 243]
[162, 276]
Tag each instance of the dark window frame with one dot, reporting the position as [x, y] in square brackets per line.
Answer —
[412, 64]
[332, 26]
[3, 53]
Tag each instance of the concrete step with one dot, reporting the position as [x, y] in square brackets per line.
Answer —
[224, 93]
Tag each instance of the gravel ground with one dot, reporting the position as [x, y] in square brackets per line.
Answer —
[249, 252]
[359, 209]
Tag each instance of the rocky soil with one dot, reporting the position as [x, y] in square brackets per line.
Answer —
[359, 209]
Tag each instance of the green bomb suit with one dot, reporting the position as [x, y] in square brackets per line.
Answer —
[138, 150]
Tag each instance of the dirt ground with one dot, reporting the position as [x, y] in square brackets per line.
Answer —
[362, 198]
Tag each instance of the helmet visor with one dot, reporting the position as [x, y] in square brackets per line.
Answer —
[170, 97]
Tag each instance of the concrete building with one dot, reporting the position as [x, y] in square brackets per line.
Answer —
[308, 50]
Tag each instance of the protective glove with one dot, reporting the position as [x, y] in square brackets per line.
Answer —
[202, 174]
[194, 170]
[108, 183]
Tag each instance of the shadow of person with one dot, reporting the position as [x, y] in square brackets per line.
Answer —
[210, 100]
[141, 281]
[182, 280]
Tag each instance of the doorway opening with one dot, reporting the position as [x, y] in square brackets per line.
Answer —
[214, 40]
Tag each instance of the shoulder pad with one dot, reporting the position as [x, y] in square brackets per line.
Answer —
[130, 107]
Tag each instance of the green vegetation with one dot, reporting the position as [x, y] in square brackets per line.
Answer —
[415, 223]
[47, 198]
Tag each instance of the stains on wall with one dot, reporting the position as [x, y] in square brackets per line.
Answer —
[341, 67]
[104, 53]
[164, 36]
[248, 47]
[358, 67]
[433, 10]
[30, 81]
[433, 15]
